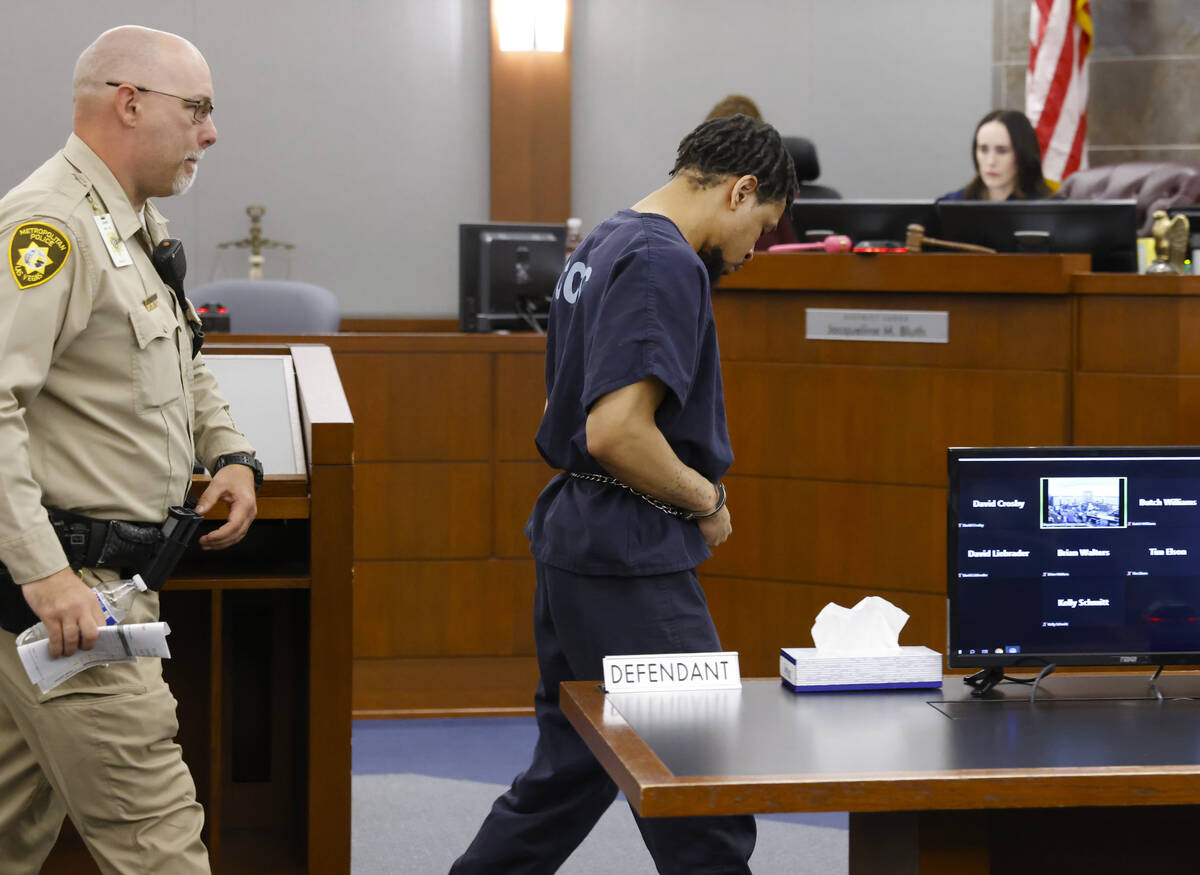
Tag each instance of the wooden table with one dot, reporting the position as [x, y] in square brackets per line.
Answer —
[1095, 775]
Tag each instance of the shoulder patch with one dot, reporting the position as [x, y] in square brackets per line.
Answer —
[36, 252]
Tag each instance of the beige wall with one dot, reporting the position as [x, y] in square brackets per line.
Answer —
[888, 90]
[362, 127]
[1145, 66]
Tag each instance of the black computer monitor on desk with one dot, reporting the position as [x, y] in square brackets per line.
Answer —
[507, 273]
[1073, 556]
[1192, 211]
[1104, 229]
[875, 221]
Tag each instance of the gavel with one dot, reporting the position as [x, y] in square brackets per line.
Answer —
[832, 243]
[916, 238]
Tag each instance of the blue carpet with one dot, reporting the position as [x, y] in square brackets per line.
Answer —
[488, 749]
[492, 750]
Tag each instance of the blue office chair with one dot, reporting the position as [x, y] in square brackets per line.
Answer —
[272, 306]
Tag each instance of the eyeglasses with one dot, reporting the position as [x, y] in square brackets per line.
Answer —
[201, 107]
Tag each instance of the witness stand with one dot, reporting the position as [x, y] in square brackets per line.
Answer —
[261, 654]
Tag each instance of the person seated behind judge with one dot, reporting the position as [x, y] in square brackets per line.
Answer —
[1008, 161]
[734, 104]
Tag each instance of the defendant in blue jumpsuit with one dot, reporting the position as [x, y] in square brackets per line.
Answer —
[635, 420]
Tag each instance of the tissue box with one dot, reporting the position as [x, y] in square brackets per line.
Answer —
[803, 669]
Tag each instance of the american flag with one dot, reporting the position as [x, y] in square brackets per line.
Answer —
[1056, 84]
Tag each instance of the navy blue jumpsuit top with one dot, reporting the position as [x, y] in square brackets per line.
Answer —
[633, 302]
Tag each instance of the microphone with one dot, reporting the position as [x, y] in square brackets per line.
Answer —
[832, 243]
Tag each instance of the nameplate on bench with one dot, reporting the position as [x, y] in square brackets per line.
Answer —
[661, 672]
[897, 326]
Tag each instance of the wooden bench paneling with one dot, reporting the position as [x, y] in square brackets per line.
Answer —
[883, 425]
[1023, 332]
[1139, 335]
[423, 510]
[954, 273]
[835, 533]
[518, 485]
[415, 407]
[520, 398]
[1132, 409]
[447, 608]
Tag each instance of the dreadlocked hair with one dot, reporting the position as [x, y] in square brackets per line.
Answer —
[739, 146]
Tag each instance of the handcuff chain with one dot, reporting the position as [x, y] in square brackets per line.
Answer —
[613, 481]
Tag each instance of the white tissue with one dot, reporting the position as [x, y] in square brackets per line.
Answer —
[870, 628]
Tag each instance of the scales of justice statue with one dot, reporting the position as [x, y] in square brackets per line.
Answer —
[256, 242]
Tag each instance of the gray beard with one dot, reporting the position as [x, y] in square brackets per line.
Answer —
[183, 181]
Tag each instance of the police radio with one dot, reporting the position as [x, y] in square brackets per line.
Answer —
[171, 265]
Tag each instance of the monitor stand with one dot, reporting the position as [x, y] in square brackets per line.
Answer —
[1085, 687]
[983, 680]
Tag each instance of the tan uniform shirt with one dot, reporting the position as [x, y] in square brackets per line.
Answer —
[102, 407]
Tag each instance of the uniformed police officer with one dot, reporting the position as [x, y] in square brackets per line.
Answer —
[635, 418]
[103, 407]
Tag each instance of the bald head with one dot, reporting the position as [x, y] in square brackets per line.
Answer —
[153, 127]
[128, 54]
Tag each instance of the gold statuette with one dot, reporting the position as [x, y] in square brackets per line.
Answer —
[1170, 243]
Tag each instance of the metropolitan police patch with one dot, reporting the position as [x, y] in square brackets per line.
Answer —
[37, 252]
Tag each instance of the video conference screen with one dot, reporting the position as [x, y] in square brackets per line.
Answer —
[1074, 555]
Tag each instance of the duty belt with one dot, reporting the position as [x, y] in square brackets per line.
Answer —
[149, 549]
[135, 548]
[93, 543]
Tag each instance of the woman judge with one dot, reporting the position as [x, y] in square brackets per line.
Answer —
[1008, 162]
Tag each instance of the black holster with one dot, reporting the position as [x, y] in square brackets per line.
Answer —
[150, 550]
[15, 615]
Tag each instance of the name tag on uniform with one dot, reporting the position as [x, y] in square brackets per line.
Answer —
[112, 241]
[672, 671]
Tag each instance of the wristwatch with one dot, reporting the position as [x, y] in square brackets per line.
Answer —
[241, 459]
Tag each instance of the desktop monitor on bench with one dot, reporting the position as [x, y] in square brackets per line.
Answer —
[1073, 556]
[1107, 230]
[507, 273]
[863, 221]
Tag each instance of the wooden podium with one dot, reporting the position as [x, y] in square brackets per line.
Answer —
[261, 655]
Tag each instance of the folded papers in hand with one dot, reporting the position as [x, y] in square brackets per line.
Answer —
[123, 643]
[858, 649]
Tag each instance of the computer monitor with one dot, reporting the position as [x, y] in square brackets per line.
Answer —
[1073, 556]
[874, 221]
[1105, 229]
[507, 273]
